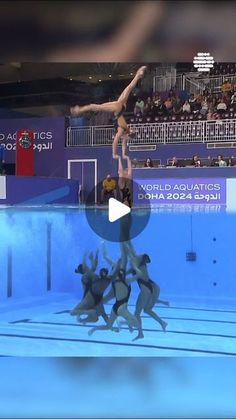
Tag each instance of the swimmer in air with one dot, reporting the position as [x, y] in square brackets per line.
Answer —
[117, 108]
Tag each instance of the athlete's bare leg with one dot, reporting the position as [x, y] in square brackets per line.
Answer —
[114, 107]
[117, 137]
[126, 92]
[124, 147]
[108, 326]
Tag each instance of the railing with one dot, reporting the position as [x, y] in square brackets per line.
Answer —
[157, 133]
[192, 82]
[211, 83]
[168, 82]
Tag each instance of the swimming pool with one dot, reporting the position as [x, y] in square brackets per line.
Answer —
[41, 247]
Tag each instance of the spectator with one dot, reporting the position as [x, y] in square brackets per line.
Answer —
[204, 108]
[139, 106]
[177, 106]
[109, 188]
[212, 115]
[221, 162]
[233, 99]
[161, 109]
[168, 105]
[148, 163]
[226, 86]
[175, 162]
[186, 107]
[134, 163]
[2, 159]
[198, 104]
[196, 162]
[149, 107]
[192, 101]
[157, 100]
[232, 161]
[221, 107]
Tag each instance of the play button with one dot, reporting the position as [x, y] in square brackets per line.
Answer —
[114, 220]
[116, 210]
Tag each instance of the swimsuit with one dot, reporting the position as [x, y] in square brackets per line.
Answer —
[98, 296]
[125, 300]
[116, 123]
[148, 284]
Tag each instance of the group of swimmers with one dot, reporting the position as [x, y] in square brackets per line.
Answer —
[119, 279]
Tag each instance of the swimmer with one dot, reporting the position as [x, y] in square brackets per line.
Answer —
[121, 290]
[117, 108]
[94, 287]
[149, 290]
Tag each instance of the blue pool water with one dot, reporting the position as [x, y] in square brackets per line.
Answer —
[41, 247]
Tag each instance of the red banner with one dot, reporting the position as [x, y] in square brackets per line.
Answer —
[25, 153]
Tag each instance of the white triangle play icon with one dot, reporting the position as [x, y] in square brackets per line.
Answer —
[116, 210]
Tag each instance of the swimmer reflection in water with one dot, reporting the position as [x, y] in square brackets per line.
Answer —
[121, 290]
[117, 108]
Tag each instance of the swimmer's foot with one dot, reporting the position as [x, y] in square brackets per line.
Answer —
[115, 329]
[141, 71]
[164, 325]
[75, 110]
[91, 331]
[139, 336]
[123, 323]
[74, 312]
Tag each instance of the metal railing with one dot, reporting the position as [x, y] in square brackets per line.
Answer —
[166, 83]
[192, 82]
[157, 133]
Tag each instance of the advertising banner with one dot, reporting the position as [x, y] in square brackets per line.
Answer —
[180, 191]
[49, 143]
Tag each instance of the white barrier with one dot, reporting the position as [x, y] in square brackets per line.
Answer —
[157, 133]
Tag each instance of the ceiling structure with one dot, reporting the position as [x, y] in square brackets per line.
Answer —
[90, 72]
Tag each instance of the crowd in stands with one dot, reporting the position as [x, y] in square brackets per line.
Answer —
[206, 106]
[195, 161]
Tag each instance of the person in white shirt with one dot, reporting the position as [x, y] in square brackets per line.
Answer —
[186, 107]
[221, 107]
[221, 161]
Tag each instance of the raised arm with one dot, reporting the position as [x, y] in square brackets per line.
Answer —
[130, 249]
[94, 261]
[84, 263]
[105, 256]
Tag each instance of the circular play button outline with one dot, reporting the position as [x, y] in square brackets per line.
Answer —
[124, 227]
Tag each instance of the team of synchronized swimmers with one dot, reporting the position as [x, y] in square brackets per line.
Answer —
[119, 277]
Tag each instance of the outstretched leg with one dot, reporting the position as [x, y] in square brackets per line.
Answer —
[126, 92]
[140, 305]
[107, 326]
[151, 313]
[114, 107]
[131, 319]
[155, 296]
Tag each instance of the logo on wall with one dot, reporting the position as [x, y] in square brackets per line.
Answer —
[203, 61]
[25, 141]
